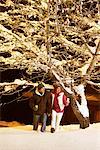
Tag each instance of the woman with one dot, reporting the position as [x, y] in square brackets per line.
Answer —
[59, 101]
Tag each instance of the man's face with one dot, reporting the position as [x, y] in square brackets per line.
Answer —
[42, 90]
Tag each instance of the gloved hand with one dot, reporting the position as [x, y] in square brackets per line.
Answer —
[35, 108]
[48, 114]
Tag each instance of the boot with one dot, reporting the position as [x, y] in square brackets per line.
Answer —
[52, 130]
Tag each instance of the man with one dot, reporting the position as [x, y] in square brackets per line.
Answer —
[40, 103]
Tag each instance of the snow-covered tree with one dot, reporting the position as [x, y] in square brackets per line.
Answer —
[55, 39]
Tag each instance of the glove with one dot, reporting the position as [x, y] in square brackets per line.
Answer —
[35, 108]
[48, 114]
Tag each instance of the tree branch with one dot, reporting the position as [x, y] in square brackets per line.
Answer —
[89, 70]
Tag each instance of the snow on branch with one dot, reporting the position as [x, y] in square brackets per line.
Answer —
[22, 82]
[92, 83]
[68, 90]
[16, 82]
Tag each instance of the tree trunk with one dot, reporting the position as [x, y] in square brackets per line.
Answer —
[0, 111]
[84, 121]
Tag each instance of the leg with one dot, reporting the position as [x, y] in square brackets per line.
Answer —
[44, 120]
[53, 121]
[59, 117]
[35, 121]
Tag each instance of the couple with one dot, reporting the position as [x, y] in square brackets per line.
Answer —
[43, 103]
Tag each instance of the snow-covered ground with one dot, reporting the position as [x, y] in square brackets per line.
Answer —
[69, 137]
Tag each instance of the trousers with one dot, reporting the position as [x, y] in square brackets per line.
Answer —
[36, 120]
[56, 118]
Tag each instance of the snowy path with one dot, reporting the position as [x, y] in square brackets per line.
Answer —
[68, 138]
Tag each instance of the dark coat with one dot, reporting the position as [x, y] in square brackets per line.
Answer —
[44, 103]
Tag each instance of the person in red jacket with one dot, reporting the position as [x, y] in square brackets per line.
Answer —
[59, 101]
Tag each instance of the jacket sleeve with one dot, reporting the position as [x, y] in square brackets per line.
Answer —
[32, 102]
[65, 100]
[49, 103]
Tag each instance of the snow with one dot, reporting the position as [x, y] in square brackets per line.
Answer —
[83, 108]
[69, 137]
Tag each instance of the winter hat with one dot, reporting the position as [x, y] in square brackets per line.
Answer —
[40, 85]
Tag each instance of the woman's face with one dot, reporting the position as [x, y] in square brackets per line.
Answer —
[58, 90]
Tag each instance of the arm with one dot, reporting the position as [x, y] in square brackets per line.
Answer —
[31, 103]
[66, 100]
[49, 103]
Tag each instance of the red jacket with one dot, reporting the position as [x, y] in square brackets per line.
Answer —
[59, 101]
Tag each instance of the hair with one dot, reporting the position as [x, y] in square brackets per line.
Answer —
[56, 85]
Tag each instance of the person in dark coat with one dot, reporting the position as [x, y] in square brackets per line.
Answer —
[41, 105]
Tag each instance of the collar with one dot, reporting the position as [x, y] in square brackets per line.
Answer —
[59, 94]
[37, 92]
